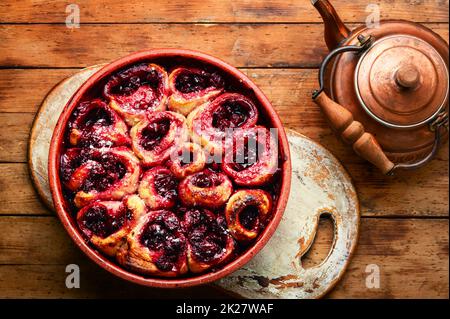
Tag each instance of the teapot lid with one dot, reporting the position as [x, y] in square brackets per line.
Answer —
[402, 81]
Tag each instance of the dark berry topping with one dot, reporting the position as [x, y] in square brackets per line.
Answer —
[162, 235]
[188, 81]
[154, 133]
[97, 117]
[128, 81]
[97, 220]
[206, 179]
[231, 114]
[166, 186]
[248, 217]
[106, 171]
[246, 154]
[206, 235]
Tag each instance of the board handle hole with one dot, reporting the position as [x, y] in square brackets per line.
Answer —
[322, 243]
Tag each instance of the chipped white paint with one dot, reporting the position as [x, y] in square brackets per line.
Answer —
[319, 185]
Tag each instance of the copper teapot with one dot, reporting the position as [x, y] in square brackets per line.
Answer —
[384, 90]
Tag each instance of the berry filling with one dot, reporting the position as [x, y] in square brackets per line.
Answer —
[161, 236]
[128, 82]
[206, 236]
[166, 186]
[188, 81]
[154, 133]
[69, 161]
[249, 217]
[206, 179]
[101, 224]
[104, 173]
[231, 114]
[97, 117]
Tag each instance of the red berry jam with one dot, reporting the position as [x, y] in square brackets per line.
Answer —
[188, 81]
[128, 81]
[248, 217]
[163, 235]
[246, 155]
[105, 172]
[206, 179]
[205, 234]
[154, 133]
[166, 185]
[97, 117]
[97, 220]
[231, 114]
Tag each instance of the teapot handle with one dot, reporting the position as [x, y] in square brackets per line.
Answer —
[352, 132]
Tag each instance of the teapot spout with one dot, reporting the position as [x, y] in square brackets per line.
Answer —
[335, 29]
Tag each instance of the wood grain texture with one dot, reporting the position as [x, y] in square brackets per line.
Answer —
[17, 195]
[14, 136]
[412, 256]
[22, 90]
[246, 45]
[412, 253]
[216, 11]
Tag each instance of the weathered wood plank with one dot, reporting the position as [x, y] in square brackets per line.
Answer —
[246, 45]
[14, 136]
[216, 11]
[22, 90]
[412, 256]
[48, 281]
[17, 195]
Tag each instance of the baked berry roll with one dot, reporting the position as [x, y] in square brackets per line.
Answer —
[158, 188]
[156, 246]
[246, 213]
[252, 158]
[209, 243]
[107, 223]
[100, 174]
[188, 159]
[96, 124]
[138, 90]
[157, 136]
[210, 123]
[206, 188]
[191, 87]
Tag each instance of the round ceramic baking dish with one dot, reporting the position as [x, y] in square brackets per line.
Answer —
[169, 56]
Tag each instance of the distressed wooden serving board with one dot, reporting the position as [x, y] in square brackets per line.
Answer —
[320, 186]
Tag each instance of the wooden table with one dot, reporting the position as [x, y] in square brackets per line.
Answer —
[279, 44]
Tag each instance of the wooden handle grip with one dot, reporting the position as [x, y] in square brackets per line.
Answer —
[352, 132]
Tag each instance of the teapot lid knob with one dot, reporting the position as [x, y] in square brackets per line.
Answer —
[407, 76]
